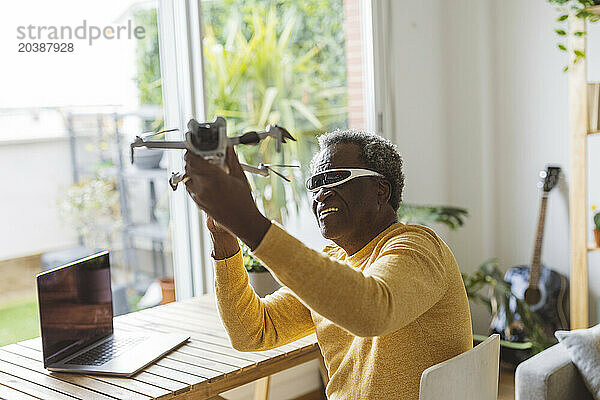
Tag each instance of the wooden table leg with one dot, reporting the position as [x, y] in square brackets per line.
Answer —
[261, 390]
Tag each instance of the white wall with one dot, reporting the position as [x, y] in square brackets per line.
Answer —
[480, 108]
[33, 174]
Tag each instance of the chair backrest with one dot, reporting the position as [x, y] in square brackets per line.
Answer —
[472, 375]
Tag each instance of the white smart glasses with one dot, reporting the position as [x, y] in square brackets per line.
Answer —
[334, 177]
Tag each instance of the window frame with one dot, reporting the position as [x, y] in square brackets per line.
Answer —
[180, 45]
[182, 72]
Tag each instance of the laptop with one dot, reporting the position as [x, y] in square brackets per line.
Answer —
[76, 318]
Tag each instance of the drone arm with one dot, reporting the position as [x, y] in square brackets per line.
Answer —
[255, 170]
[246, 138]
[160, 144]
[156, 144]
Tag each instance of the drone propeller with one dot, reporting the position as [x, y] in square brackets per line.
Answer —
[268, 167]
[147, 135]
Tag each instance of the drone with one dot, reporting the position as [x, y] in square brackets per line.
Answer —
[210, 141]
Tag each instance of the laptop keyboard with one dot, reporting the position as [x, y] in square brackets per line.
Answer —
[106, 351]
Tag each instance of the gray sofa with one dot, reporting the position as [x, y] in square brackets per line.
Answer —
[550, 375]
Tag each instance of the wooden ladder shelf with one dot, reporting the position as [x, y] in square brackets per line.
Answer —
[579, 133]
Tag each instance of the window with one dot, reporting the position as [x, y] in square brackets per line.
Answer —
[297, 64]
[67, 119]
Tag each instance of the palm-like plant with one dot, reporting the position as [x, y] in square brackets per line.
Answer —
[452, 217]
[262, 80]
[487, 286]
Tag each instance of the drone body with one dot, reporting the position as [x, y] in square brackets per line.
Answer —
[210, 141]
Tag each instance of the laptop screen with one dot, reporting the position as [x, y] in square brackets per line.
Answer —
[75, 306]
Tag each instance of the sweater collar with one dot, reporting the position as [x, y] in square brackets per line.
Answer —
[367, 249]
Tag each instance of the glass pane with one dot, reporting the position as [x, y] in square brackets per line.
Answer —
[64, 152]
[296, 64]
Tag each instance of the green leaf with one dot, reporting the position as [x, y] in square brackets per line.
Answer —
[561, 32]
[563, 17]
[579, 53]
[579, 33]
[306, 113]
[267, 105]
[562, 47]
[566, 68]
[583, 14]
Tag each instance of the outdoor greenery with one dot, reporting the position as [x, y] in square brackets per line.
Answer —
[19, 320]
[276, 62]
[148, 79]
[252, 264]
[91, 207]
[265, 62]
[569, 9]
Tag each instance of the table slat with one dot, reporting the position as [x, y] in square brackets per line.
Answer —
[203, 362]
[32, 389]
[179, 376]
[130, 384]
[206, 373]
[76, 379]
[144, 325]
[221, 338]
[174, 386]
[238, 362]
[50, 381]
[203, 317]
[12, 394]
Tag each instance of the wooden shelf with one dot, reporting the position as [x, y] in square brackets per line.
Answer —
[594, 10]
[578, 211]
[592, 247]
[593, 132]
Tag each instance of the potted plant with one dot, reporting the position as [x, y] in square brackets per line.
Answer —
[260, 278]
[487, 286]
[573, 9]
[596, 226]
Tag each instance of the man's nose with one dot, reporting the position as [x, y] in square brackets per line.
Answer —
[322, 194]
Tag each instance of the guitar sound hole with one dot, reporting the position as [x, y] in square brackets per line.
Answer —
[532, 296]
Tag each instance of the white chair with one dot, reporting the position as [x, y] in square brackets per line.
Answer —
[472, 375]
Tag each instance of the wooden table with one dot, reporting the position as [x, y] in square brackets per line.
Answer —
[201, 369]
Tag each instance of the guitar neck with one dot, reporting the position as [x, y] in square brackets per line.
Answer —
[536, 267]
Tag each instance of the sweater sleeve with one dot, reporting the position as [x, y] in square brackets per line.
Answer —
[407, 279]
[252, 323]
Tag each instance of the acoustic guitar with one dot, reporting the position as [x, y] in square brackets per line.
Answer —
[545, 291]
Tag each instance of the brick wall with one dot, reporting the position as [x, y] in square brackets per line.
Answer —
[354, 66]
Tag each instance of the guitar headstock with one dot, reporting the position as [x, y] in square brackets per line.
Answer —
[549, 178]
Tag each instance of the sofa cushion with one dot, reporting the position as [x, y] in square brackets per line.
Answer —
[550, 375]
[583, 345]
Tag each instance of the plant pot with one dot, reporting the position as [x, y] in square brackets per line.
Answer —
[263, 283]
[168, 290]
[147, 158]
[597, 237]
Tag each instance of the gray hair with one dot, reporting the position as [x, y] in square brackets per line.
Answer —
[379, 154]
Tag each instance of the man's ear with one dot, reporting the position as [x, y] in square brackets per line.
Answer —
[384, 191]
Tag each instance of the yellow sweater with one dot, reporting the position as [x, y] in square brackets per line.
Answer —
[382, 315]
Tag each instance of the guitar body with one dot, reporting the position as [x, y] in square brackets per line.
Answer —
[552, 308]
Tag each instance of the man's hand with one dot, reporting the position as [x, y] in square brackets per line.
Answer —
[226, 198]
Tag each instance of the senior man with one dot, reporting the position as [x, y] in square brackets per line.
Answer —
[386, 301]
